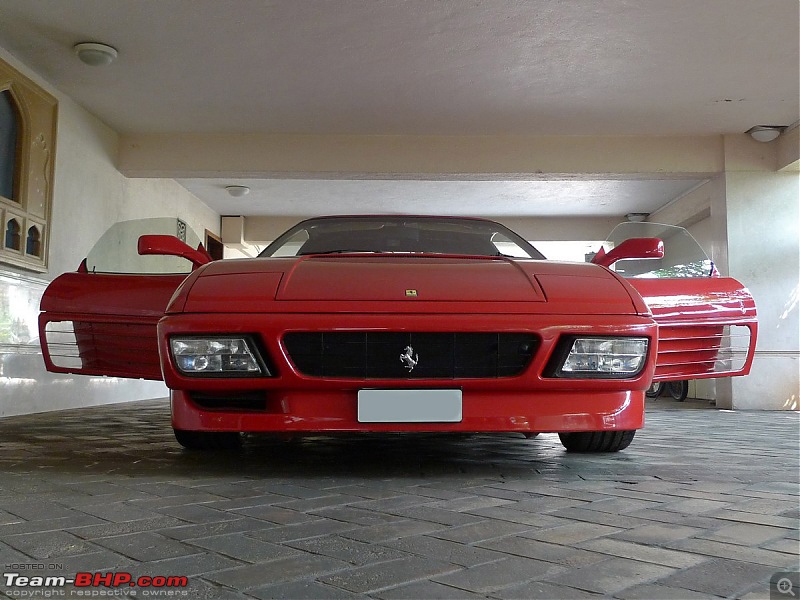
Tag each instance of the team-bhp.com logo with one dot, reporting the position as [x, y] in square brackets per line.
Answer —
[19, 585]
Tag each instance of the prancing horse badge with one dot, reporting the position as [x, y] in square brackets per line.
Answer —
[409, 359]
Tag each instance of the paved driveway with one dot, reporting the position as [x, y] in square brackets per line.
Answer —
[704, 503]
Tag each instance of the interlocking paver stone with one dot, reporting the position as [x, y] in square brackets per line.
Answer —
[657, 533]
[436, 515]
[49, 544]
[481, 531]
[454, 552]
[274, 514]
[197, 513]
[541, 589]
[499, 574]
[202, 530]
[9, 555]
[430, 590]
[702, 503]
[352, 551]
[144, 546]
[283, 569]
[746, 534]
[389, 531]
[522, 517]
[734, 552]
[103, 530]
[756, 518]
[190, 566]
[302, 590]
[720, 577]
[358, 516]
[570, 534]
[389, 574]
[659, 556]
[611, 576]
[241, 547]
[658, 592]
[563, 555]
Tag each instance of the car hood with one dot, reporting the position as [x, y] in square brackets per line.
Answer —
[408, 283]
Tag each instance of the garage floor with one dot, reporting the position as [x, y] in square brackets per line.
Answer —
[704, 503]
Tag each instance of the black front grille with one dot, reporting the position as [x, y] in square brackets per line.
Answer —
[377, 355]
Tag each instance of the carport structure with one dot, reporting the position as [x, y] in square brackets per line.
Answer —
[558, 119]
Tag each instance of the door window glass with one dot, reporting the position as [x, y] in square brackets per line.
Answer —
[683, 256]
[117, 250]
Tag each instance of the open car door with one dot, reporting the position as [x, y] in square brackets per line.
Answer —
[101, 320]
[706, 323]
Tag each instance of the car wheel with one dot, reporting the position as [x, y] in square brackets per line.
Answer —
[597, 441]
[208, 440]
[678, 390]
[655, 390]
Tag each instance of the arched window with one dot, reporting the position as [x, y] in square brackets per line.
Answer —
[13, 238]
[9, 136]
[27, 162]
[33, 244]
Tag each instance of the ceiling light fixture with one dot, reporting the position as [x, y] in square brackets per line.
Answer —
[765, 133]
[95, 54]
[637, 217]
[237, 191]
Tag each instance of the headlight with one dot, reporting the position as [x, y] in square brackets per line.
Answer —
[216, 356]
[608, 357]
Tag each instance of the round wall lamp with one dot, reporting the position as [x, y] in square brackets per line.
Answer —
[95, 54]
[237, 191]
[765, 133]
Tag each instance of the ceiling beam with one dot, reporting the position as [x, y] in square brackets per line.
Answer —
[192, 155]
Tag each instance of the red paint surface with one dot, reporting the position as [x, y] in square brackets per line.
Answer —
[116, 318]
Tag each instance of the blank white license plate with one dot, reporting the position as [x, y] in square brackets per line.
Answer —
[409, 406]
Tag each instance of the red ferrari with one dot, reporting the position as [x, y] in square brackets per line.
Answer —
[401, 323]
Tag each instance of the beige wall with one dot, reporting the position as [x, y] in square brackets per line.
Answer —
[748, 220]
[90, 194]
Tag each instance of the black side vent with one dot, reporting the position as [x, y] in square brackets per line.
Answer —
[379, 355]
[249, 401]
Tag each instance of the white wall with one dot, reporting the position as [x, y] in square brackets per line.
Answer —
[764, 241]
[90, 194]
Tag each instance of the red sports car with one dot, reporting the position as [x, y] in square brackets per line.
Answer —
[402, 323]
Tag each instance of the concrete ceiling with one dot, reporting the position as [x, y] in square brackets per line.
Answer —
[422, 67]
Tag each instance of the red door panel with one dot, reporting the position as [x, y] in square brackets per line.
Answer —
[706, 326]
[105, 324]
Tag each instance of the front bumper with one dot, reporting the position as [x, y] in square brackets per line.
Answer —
[290, 401]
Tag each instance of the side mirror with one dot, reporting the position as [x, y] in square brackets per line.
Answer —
[631, 248]
[168, 245]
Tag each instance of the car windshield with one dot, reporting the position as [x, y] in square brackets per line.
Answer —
[394, 234]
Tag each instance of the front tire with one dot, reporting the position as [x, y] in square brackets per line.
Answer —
[597, 441]
[208, 440]
[678, 390]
